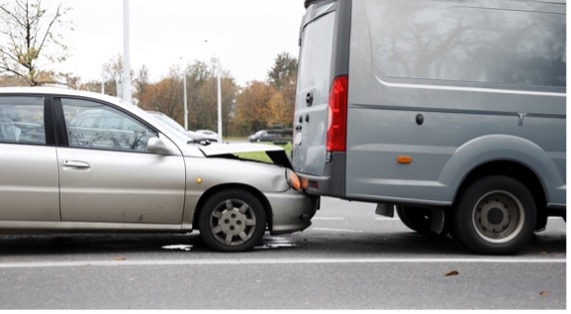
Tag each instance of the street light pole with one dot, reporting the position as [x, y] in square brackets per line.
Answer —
[185, 102]
[218, 70]
[126, 54]
[219, 107]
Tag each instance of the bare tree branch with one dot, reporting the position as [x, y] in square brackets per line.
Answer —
[27, 30]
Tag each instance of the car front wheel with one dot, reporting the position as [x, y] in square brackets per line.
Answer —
[495, 215]
[232, 221]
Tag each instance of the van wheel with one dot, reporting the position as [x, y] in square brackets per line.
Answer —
[307, 3]
[232, 221]
[494, 215]
[416, 218]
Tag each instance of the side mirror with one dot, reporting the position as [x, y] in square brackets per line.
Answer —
[158, 146]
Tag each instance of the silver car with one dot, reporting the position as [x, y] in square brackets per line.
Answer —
[126, 171]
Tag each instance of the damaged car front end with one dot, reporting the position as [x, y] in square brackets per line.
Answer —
[289, 208]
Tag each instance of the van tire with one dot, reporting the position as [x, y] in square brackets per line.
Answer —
[232, 220]
[494, 215]
[416, 218]
[307, 3]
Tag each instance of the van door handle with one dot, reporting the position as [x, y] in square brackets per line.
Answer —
[76, 164]
[309, 99]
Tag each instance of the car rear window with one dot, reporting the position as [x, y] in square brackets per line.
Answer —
[22, 120]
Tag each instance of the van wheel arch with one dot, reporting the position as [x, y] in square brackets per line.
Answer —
[516, 171]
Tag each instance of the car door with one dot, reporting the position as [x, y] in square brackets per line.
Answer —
[107, 173]
[28, 165]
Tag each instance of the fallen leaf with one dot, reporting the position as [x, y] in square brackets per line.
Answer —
[544, 293]
[452, 273]
[119, 258]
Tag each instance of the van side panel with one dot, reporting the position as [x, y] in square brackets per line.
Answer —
[453, 85]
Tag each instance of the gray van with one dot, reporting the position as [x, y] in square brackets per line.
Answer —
[451, 112]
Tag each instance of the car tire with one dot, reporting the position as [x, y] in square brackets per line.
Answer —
[232, 221]
[494, 215]
[416, 218]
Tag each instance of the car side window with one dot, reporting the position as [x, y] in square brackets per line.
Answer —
[22, 120]
[98, 126]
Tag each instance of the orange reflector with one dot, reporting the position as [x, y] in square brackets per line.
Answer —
[405, 160]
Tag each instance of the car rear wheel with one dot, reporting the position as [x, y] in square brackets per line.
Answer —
[232, 221]
[494, 215]
[416, 218]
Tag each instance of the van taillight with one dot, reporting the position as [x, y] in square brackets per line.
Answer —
[337, 126]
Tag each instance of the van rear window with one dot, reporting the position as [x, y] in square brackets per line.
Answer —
[315, 59]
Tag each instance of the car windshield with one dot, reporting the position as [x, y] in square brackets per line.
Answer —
[168, 121]
[177, 130]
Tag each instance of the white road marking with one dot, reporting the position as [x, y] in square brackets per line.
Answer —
[328, 218]
[178, 247]
[386, 218]
[271, 261]
[337, 230]
[342, 218]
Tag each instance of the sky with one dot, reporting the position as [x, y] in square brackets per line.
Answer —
[246, 35]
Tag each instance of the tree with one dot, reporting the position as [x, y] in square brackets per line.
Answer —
[141, 83]
[202, 95]
[72, 81]
[167, 95]
[29, 39]
[11, 80]
[112, 72]
[284, 72]
[283, 76]
[279, 113]
[92, 86]
[253, 110]
[263, 105]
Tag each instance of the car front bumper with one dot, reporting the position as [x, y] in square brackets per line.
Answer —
[292, 211]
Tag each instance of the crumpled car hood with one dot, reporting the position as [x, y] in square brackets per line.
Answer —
[276, 153]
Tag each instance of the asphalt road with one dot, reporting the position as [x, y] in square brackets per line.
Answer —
[349, 259]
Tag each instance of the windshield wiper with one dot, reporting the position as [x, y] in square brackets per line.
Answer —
[203, 142]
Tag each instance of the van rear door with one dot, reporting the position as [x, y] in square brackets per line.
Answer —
[315, 75]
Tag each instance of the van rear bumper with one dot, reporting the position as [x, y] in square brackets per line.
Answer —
[332, 182]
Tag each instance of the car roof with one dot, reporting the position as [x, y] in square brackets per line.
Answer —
[156, 112]
[58, 91]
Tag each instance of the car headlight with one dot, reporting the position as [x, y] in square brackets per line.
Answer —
[293, 180]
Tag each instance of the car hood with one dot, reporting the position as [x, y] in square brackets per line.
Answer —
[276, 153]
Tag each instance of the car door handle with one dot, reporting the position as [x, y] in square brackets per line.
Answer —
[76, 164]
